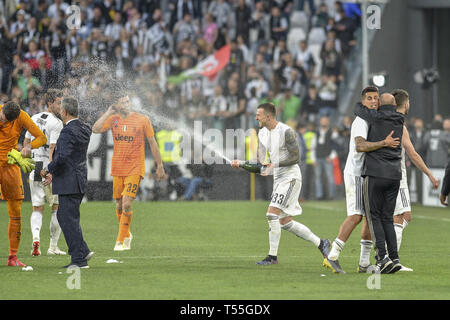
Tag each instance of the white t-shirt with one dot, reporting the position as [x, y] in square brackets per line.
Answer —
[51, 126]
[355, 159]
[274, 142]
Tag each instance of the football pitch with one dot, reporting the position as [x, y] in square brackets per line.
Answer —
[208, 250]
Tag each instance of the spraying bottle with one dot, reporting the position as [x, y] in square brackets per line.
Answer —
[252, 167]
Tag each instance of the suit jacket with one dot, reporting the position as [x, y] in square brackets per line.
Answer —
[446, 183]
[68, 167]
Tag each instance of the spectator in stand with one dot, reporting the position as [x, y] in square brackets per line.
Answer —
[185, 29]
[437, 141]
[310, 137]
[278, 25]
[417, 136]
[56, 7]
[278, 53]
[242, 15]
[324, 160]
[30, 34]
[331, 60]
[222, 11]
[251, 108]
[288, 105]
[44, 75]
[217, 109]
[33, 55]
[262, 67]
[210, 29]
[304, 58]
[236, 102]
[255, 80]
[321, 18]
[114, 29]
[328, 95]
[311, 105]
[345, 29]
[25, 80]
[237, 62]
[258, 32]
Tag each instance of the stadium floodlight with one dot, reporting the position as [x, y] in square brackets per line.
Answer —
[379, 79]
[426, 77]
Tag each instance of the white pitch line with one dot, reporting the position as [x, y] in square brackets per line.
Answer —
[206, 257]
[413, 215]
[431, 218]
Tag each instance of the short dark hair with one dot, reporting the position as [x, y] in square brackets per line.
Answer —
[51, 95]
[401, 96]
[70, 104]
[11, 110]
[369, 89]
[268, 108]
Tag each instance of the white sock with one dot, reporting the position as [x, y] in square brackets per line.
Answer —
[274, 234]
[405, 223]
[36, 224]
[301, 231]
[55, 230]
[399, 233]
[336, 248]
[366, 248]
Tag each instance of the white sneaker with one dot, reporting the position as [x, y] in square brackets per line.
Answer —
[55, 251]
[127, 242]
[119, 246]
[405, 269]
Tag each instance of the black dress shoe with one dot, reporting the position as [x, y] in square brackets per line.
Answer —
[81, 265]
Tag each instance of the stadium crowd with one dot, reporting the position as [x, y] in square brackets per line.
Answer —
[282, 51]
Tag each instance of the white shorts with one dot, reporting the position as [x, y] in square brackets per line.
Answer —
[403, 203]
[285, 197]
[354, 194]
[41, 194]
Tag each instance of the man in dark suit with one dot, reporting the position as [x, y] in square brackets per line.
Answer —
[68, 174]
[445, 186]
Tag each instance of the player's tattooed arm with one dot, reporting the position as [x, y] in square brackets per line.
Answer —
[261, 153]
[362, 145]
[293, 149]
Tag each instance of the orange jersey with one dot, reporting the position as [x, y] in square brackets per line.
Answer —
[129, 143]
[10, 133]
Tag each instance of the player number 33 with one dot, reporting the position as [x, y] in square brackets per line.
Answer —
[277, 198]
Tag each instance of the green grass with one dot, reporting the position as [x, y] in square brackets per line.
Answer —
[208, 250]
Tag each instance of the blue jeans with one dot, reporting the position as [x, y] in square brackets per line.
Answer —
[322, 165]
[191, 185]
[301, 5]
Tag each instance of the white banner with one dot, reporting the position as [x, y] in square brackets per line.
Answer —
[430, 196]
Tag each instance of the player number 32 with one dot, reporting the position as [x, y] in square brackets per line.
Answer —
[132, 188]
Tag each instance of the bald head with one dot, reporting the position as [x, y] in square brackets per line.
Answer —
[387, 98]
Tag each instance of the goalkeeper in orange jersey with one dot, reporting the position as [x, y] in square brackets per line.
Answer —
[129, 130]
[12, 121]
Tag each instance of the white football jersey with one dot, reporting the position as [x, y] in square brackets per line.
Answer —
[355, 159]
[274, 142]
[51, 126]
[404, 181]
